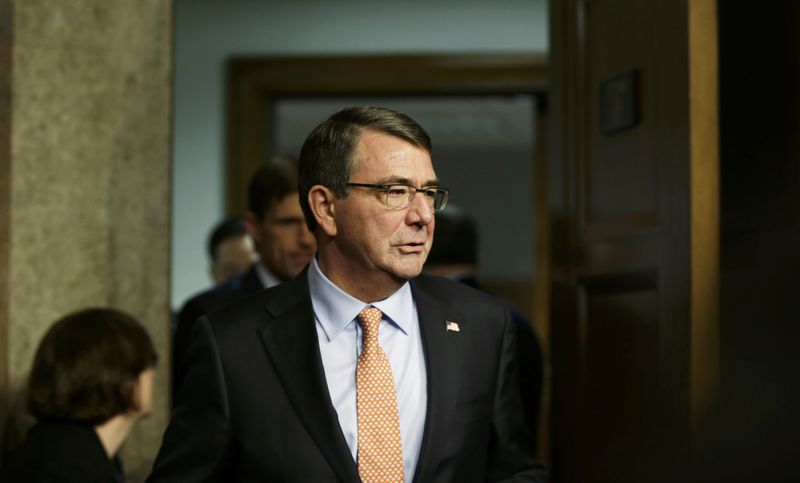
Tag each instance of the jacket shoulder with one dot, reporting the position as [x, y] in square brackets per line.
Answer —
[446, 289]
[59, 451]
[251, 308]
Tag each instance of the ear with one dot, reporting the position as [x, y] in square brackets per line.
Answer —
[321, 201]
[251, 224]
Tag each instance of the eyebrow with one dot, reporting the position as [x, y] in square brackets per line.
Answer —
[401, 180]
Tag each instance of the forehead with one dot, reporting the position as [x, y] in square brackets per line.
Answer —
[233, 242]
[286, 206]
[383, 157]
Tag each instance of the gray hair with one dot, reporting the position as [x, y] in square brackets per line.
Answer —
[327, 155]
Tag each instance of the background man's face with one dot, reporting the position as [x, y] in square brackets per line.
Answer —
[234, 255]
[282, 238]
[375, 239]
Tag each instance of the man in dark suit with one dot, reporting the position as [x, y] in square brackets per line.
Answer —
[454, 254]
[290, 384]
[275, 222]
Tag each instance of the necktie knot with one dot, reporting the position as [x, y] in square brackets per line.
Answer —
[370, 319]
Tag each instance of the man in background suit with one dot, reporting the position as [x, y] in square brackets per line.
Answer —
[230, 249]
[275, 384]
[454, 254]
[275, 222]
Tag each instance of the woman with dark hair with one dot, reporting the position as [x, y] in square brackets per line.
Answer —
[91, 382]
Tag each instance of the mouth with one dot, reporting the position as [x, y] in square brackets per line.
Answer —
[413, 247]
[302, 258]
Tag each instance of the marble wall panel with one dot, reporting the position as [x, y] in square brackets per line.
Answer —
[88, 178]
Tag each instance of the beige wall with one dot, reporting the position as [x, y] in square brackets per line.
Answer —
[86, 172]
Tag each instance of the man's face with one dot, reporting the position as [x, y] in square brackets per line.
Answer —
[282, 238]
[234, 255]
[375, 240]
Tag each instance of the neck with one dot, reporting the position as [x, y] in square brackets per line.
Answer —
[113, 432]
[366, 287]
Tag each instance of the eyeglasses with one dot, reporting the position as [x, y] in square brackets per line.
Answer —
[398, 195]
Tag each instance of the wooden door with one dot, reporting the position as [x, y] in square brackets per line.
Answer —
[634, 212]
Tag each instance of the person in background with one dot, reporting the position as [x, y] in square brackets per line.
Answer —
[230, 249]
[454, 254]
[359, 369]
[90, 383]
[285, 246]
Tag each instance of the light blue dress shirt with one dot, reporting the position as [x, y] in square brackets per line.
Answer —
[339, 338]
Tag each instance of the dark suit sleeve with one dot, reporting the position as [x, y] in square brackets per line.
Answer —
[530, 362]
[511, 451]
[197, 441]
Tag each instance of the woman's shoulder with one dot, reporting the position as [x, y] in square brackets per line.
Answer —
[59, 452]
[65, 436]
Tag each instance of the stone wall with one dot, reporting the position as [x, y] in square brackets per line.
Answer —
[85, 216]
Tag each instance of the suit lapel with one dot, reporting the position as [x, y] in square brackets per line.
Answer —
[290, 340]
[443, 352]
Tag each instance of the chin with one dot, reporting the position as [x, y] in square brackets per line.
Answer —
[408, 273]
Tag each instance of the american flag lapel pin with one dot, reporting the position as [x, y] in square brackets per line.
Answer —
[453, 326]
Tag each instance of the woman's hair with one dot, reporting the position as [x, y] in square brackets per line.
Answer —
[87, 366]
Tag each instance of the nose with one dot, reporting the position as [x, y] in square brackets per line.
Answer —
[420, 211]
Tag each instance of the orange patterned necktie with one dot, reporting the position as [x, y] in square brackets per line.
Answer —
[380, 452]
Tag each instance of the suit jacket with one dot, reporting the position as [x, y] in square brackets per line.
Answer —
[60, 453]
[205, 302]
[531, 364]
[254, 405]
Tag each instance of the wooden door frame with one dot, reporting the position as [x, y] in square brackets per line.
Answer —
[254, 84]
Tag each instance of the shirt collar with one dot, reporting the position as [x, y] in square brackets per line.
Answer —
[267, 278]
[335, 309]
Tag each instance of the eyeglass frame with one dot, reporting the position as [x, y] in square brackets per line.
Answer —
[385, 187]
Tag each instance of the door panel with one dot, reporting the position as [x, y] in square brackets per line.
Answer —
[621, 395]
[628, 229]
